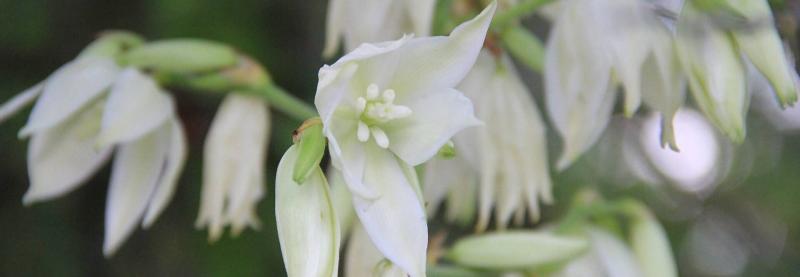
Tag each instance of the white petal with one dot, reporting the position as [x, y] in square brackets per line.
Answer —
[169, 180]
[233, 165]
[135, 107]
[342, 201]
[616, 258]
[663, 85]
[363, 258]
[440, 62]
[69, 89]
[715, 71]
[334, 26]
[395, 221]
[371, 21]
[134, 178]
[347, 154]
[436, 117]
[62, 158]
[19, 101]
[307, 226]
[578, 92]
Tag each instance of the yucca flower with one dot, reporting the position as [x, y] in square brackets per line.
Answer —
[390, 106]
[505, 160]
[86, 110]
[233, 165]
[593, 46]
[369, 21]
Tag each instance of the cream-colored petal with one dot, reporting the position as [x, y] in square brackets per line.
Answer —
[63, 157]
[19, 101]
[169, 180]
[135, 176]
[135, 106]
[69, 89]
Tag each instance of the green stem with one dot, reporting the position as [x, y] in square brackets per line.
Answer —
[282, 100]
[505, 18]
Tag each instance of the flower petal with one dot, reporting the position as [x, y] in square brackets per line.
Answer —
[440, 62]
[616, 258]
[578, 90]
[436, 117]
[135, 175]
[334, 26]
[663, 85]
[307, 226]
[63, 157]
[135, 107]
[421, 12]
[233, 165]
[363, 258]
[69, 88]
[347, 155]
[395, 221]
[715, 71]
[169, 180]
[19, 101]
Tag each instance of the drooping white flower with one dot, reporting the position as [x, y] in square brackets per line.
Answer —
[88, 108]
[454, 181]
[369, 21]
[233, 169]
[387, 107]
[307, 225]
[509, 152]
[711, 53]
[592, 44]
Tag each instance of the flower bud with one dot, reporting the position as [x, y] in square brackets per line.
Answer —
[515, 250]
[448, 151]
[650, 243]
[181, 56]
[310, 148]
[112, 43]
[307, 227]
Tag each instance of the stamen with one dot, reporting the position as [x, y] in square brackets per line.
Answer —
[380, 137]
[388, 96]
[361, 105]
[372, 92]
[362, 132]
[399, 111]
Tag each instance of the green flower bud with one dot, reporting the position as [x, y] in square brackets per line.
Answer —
[515, 250]
[112, 44]
[525, 47]
[310, 148]
[181, 56]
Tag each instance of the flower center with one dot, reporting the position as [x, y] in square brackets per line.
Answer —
[378, 107]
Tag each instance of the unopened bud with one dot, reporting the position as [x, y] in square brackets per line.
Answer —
[112, 44]
[515, 250]
[310, 148]
[181, 56]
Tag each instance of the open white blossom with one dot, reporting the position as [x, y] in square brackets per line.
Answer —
[368, 21]
[508, 153]
[390, 106]
[592, 44]
[88, 108]
[233, 169]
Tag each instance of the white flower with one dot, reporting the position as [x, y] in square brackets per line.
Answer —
[363, 259]
[509, 153]
[592, 43]
[367, 21]
[307, 226]
[457, 182]
[709, 50]
[88, 107]
[387, 107]
[233, 165]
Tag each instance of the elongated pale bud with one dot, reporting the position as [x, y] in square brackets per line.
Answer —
[112, 44]
[307, 227]
[515, 250]
[181, 56]
[524, 46]
[650, 243]
[310, 148]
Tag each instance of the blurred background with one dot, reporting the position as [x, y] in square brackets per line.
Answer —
[737, 216]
